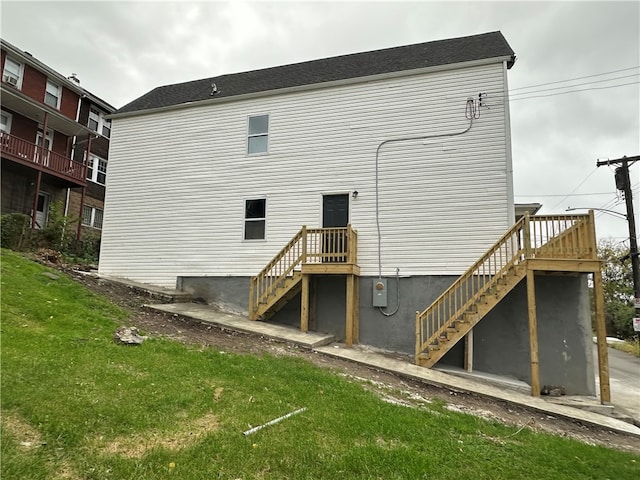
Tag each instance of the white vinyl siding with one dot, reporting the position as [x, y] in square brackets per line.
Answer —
[442, 201]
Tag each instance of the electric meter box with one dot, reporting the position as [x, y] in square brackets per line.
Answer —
[380, 292]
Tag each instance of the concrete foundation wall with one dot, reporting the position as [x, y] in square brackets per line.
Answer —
[501, 339]
[564, 335]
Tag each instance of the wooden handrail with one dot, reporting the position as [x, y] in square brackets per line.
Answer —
[30, 153]
[309, 245]
[548, 236]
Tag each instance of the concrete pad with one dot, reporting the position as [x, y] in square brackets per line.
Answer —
[452, 382]
[208, 314]
[164, 294]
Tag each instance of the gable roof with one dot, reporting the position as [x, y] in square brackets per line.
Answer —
[376, 62]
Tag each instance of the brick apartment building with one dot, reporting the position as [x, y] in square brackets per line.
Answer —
[54, 141]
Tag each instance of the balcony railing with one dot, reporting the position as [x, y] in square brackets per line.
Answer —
[31, 154]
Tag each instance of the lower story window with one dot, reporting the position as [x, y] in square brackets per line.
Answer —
[92, 216]
[255, 219]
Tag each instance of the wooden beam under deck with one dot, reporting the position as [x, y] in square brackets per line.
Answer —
[563, 265]
[330, 269]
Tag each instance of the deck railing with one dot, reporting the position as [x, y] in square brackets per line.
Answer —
[30, 153]
[309, 245]
[533, 237]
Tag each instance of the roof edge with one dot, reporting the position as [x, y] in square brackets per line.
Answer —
[315, 86]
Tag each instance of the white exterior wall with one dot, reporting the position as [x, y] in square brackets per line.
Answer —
[177, 179]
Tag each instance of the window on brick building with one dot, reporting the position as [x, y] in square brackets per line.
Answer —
[52, 94]
[12, 73]
[92, 216]
[97, 169]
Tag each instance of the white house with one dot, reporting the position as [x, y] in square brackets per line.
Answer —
[409, 146]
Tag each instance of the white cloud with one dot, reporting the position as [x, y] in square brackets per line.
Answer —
[121, 50]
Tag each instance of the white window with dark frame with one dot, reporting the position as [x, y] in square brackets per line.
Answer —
[258, 135]
[12, 73]
[98, 123]
[255, 219]
[97, 169]
[5, 122]
[92, 216]
[52, 94]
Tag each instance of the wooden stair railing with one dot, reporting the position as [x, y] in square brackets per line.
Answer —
[281, 278]
[475, 293]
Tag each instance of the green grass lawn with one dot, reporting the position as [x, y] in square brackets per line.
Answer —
[77, 406]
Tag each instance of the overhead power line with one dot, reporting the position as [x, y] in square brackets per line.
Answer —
[562, 194]
[576, 78]
[576, 188]
[577, 84]
[573, 91]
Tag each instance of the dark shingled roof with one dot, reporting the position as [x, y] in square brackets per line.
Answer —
[397, 59]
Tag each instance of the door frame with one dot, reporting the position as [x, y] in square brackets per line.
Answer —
[45, 213]
[321, 212]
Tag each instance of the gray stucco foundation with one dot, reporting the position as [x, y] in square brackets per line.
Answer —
[501, 339]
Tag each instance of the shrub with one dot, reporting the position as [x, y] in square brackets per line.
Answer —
[15, 231]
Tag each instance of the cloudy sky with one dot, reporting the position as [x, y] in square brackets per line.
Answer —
[575, 92]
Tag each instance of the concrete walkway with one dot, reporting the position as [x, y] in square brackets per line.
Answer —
[323, 343]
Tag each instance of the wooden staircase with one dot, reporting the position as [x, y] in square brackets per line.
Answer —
[542, 243]
[312, 251]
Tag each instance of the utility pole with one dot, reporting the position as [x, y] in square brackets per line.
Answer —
[623, 183]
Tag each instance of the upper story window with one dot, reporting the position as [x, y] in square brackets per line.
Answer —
[5, 122]
[97, 169]
[98, 123]
[12, 72]
[52, 94]
[258, 137]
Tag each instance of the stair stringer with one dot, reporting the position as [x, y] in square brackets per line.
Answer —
[473, 312]
[280, 296]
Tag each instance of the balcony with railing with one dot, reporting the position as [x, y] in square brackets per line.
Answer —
[37, 157]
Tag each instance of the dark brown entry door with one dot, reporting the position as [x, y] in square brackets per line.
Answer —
[335, 213]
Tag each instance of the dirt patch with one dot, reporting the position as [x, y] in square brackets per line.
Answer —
[27, 436]
[137, 446]
[390, 386]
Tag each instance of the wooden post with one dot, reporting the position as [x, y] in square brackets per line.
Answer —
[468, 351]
[312, 303]
[601, 336]
[356, 309]
[533, 334]
[526, 236]
[418, 338]
[304, 307]
[252, 298]
[349, 312]
[304, 244]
